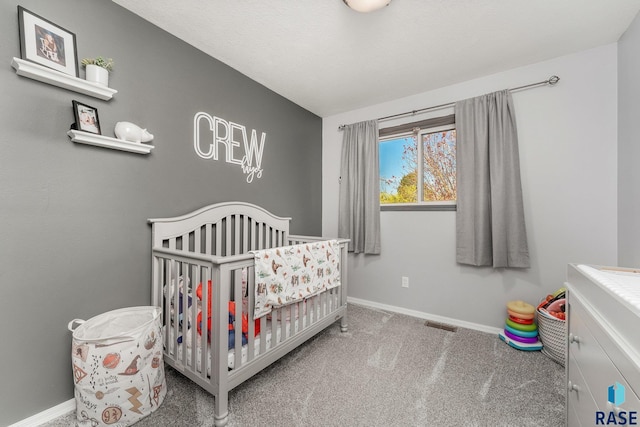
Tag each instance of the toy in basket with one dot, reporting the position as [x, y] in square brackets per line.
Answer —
[553, 327]
[520, 331]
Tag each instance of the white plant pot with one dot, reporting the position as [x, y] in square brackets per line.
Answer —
[97, 75]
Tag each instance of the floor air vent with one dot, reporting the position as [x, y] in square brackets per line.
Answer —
[442, 326]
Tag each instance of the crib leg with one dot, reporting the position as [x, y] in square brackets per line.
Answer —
[222, 421]
[221, 416]
[343, 324]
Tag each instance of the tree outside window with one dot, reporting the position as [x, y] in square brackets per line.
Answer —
[404, 163]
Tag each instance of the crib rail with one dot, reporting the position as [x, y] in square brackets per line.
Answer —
[178, 277]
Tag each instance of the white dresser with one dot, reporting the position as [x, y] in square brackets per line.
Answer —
[603, 347]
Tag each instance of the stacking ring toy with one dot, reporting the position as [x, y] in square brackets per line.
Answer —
[519, 345]
[521, 315]
[523, 334]
[521, 321]
[520, 327]
[521, 307]
[520, 339]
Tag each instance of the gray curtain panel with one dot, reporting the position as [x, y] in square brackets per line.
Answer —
[490, 228]
[359, 209]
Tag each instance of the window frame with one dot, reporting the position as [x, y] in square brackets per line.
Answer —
[417, 130]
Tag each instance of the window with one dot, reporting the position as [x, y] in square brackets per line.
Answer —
[422, 152]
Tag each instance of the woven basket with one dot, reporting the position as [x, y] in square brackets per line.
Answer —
[553, 334]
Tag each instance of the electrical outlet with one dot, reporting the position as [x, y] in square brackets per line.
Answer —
[405, 282]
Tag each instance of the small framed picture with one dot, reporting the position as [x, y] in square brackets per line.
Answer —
[86, 118]
[45, 43]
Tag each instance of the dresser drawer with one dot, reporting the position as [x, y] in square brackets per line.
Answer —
[603, 348]
[580, 403]
[597, 353]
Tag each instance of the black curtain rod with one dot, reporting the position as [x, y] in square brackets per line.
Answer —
[550, 81]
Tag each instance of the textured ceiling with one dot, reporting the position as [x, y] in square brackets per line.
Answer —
[329, 59]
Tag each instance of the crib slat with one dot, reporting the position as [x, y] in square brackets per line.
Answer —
[166, 302]
[272, 238]
[194, 278]
[274, 327]
[181, 307]
[185, 242]
[204, 324]
[245, 235]
[236, 248]
[295, 311]
[197, 243]
[237, 295]
[207, 239]
[250, 303]
[218, 239]
[188, 322]
[263, 334]
[260, 236]
[176, 302]
[335, 299]
[228, 242]
[283, 323]
[309, 308]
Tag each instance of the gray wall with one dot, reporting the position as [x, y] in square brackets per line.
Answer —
[628, 146]
[73, 231]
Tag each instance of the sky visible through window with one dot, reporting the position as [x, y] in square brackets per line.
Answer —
[391, 158]
[403, 163]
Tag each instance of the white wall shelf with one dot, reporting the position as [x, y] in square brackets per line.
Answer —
[47, 75]
[107, 142]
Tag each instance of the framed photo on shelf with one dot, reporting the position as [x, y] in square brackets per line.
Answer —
[48, 44]
[86, 118]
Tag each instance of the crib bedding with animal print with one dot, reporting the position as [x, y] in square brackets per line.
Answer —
[289, 274]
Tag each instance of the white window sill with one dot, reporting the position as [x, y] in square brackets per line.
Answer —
[448, 207]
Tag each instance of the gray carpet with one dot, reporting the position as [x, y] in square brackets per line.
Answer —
[388, 370]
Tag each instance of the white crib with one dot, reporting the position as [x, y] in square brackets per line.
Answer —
[213, 244]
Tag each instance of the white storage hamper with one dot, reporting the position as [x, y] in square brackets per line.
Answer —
[118, 368]
[553, 334]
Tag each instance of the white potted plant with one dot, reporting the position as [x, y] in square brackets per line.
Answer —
[98, 69]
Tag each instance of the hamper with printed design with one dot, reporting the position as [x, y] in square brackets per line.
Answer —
[118, 367]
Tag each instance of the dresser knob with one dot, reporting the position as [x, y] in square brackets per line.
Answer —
[572, 387]
[574, 338]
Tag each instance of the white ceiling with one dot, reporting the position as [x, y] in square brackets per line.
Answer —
[329, 59]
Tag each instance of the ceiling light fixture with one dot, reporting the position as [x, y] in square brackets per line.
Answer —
[366, 5]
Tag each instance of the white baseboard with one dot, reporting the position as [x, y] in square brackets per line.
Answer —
[47, 415]
[426, 316]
